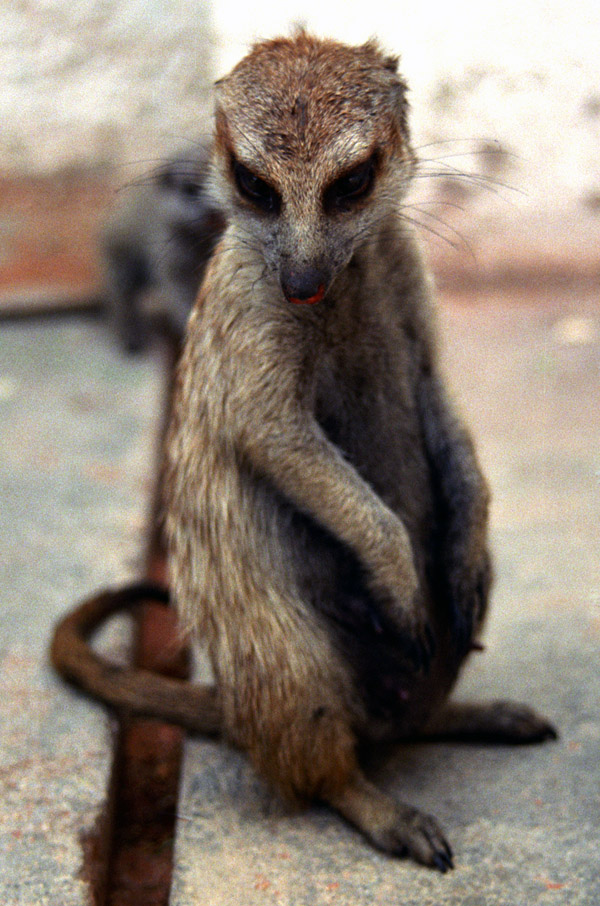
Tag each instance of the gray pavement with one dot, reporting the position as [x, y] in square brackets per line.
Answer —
[524, 822]
[77, 428]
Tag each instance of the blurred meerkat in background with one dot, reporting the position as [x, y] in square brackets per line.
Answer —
[159, 236]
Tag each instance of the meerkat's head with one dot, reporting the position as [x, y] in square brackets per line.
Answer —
[312, 151]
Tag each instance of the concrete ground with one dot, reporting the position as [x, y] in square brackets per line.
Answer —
[77, 432]
[77, 424]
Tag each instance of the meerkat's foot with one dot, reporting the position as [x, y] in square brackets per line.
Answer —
[394, 827]
[493, 722]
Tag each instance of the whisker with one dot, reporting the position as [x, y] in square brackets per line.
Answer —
[452, 172]
[453, 141]
[424, 226]
[463, 241]
[438, 203]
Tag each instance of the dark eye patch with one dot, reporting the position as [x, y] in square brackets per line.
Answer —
[190, 189]
[255, 189]
[353, 186]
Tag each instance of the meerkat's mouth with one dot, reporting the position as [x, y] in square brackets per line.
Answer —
[311, 300]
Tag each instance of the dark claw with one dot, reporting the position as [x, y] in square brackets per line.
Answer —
[443, 862]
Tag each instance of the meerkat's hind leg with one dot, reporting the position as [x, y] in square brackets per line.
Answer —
[392, 826]
[492, 722]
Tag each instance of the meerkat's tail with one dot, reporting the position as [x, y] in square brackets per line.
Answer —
[133, 690]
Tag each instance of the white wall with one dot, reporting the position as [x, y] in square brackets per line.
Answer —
[86, 81]
[83, 82]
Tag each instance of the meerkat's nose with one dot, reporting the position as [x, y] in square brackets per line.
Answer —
[303, 287]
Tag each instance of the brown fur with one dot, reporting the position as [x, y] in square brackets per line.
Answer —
[326, 512]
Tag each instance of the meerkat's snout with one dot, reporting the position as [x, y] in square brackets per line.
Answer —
[304, 286]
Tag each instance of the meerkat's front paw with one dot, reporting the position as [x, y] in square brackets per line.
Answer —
[417, 639]
[410, 623]
[395, 587]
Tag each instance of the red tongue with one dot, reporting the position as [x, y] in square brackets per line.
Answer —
[311, 299]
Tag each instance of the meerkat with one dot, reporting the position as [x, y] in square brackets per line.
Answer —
[160, 236]
[326, 513]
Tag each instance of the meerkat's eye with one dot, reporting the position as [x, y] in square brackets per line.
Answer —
[256, 190]
[190, 189]
[351, 187]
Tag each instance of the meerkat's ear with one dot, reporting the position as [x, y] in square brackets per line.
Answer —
[398, 87]
[391, 62]
[399, 92]
[401, 104]
[222, 129]
[222, 133]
